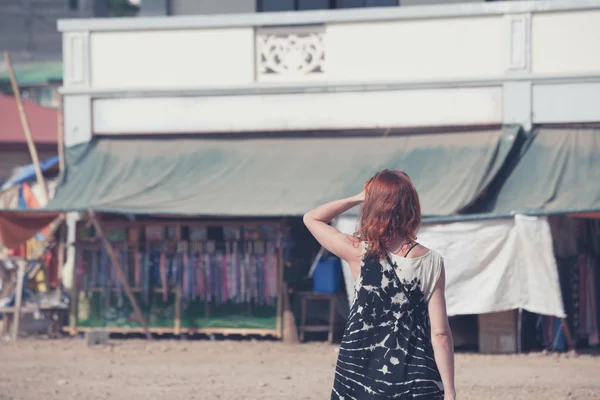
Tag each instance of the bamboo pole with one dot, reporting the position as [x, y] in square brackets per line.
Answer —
[121, 274]
[26, 128]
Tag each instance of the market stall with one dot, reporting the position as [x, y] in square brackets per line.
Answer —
[519, 249]
[577, 250]
[196, 223]
[187, 276]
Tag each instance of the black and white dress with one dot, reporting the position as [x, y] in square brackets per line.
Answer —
[386, 352]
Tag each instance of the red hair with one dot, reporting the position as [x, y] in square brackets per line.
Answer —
[391, 209]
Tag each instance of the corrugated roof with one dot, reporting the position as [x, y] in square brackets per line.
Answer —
[43, 122]
[34, 73]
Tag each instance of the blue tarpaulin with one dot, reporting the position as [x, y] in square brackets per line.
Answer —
[27, 172]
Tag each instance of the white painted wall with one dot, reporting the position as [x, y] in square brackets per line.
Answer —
[416, 50]
[173, 58]
[380, 109]
[517, 63]
[565, 103]
[566, 43]
[399, 50]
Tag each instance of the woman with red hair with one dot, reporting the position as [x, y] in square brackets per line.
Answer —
[397, 342]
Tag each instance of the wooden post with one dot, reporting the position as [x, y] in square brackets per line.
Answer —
[290, 329]
[60, 249]
[332, 311]
[18, 300]
[121, 274]
[286, 323]
[282, 291]
[74, 298]
[567, 332]
[61, 136]
[519, 331]
[25, 125]
[177, 310]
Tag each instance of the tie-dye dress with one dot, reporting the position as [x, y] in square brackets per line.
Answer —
[386, 352]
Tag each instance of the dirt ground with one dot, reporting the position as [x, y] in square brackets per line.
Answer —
[133, 369]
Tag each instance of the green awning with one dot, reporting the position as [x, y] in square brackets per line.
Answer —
[558, 171]
[35, 73]
[275, 176]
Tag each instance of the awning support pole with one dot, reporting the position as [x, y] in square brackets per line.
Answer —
[120, 273]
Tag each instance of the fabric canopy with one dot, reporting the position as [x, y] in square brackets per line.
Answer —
[17, 227]
[558, 172]
[275, 176]
[491, 266]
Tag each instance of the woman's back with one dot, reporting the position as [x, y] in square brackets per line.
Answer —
[386, 351]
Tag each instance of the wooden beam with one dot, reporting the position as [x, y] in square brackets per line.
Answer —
[191, 331]
[120, 273]
[18, 300]
[26, 128]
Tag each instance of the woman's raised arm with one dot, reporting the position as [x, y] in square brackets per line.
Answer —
[317, 221]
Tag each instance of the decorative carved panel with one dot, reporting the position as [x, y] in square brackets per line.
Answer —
[290, 54]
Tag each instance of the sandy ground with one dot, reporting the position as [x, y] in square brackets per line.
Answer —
[133, 369]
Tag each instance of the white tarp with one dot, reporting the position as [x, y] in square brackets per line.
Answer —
[492, 265]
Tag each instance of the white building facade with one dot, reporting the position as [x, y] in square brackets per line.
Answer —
[383, 68]
[452, 77]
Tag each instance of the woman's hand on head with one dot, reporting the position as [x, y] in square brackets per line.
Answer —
[360, 197]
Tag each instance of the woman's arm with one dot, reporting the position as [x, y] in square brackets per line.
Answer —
[441, 337]
[317, 221]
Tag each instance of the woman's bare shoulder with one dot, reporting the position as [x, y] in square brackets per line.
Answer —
[419, 251]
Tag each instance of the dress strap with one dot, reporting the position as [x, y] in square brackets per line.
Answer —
[401, 284]
[411, 247]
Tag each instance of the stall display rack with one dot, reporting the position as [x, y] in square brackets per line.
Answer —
[173, 278]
